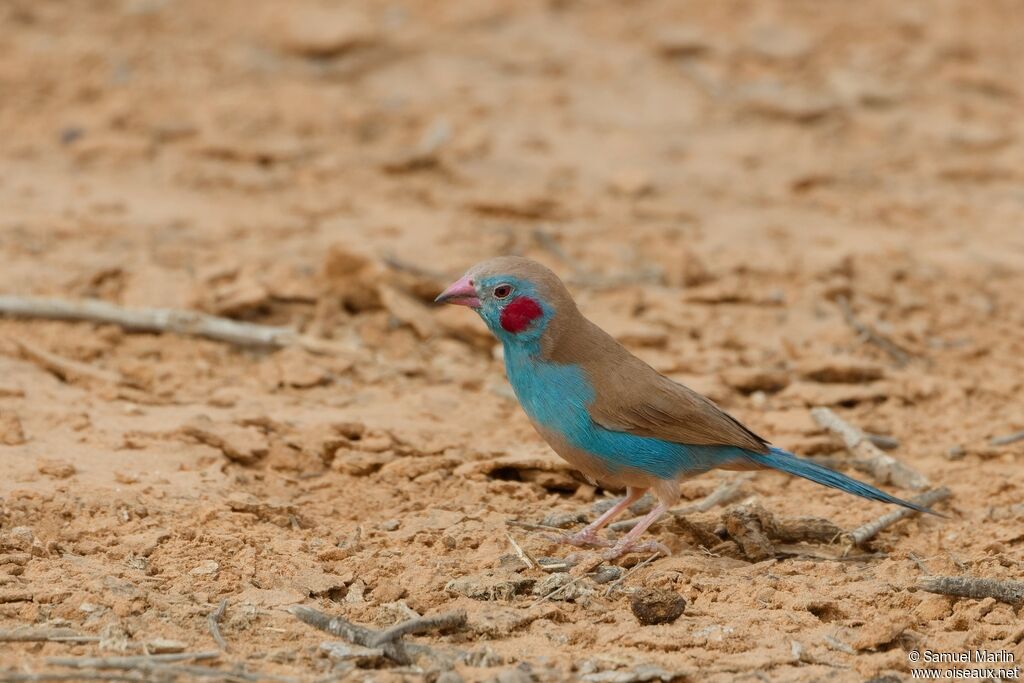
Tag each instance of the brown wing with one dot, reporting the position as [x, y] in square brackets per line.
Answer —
[633, 397]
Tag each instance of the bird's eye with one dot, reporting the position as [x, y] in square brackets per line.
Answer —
[502, 291]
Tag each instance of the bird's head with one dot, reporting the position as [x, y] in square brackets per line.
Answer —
[518, 298]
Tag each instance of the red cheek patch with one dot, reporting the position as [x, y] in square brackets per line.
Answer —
[519, 313]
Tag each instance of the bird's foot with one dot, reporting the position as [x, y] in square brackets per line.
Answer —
[581, 539]
[624, 547]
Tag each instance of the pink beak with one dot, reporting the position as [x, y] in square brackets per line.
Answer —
[461, 293]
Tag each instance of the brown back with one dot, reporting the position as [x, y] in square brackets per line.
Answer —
[633, 397]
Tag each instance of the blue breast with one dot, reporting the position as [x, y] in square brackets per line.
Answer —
[557, 397]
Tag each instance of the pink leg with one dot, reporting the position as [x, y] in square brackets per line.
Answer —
[587, 536]
[628, 543]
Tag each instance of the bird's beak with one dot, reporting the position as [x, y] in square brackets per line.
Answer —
[461, 292]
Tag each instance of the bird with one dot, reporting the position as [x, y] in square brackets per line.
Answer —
[609, 414]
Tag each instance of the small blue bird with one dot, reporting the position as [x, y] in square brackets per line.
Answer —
[609, 414]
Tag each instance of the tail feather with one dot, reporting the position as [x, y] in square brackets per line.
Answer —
[778, 459]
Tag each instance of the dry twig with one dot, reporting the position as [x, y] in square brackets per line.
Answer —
[899, 354]
[213, 621]
[866, 532]
[141, 668]
[59, 635]
[1004, 590]
[140, 662]
[867, 456]
[65, 368]
[1008, 439]
[533, 527]
[395, 649]
[189, 323]
[233, 676]
[520, 553]
[824, 553]
[437, 622]
[44, 676]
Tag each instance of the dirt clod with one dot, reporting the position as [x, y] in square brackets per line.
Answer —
[656, 606]
[57, 469]
[11, 431]
[244, 445]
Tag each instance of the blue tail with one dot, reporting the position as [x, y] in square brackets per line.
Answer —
[778, 459]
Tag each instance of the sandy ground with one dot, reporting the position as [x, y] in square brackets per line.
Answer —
[711, 178]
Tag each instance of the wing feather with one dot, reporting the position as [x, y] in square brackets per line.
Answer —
[632, 397]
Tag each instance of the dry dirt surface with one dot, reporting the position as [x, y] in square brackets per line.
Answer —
[714, 181]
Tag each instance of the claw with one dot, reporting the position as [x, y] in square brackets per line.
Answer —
[620, 549]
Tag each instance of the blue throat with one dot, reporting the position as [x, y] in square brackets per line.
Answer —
[557, 397]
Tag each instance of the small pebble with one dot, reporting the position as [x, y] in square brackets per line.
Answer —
[391, 525]
[563, 520]
[163, 646]
[606, 573]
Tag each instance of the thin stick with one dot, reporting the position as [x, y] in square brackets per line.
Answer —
[866, 532]
[18, 677]
[65, 368]
[336, 626]
[726, 493]
[188, 323]
[1008, 439]
[128, 663]
[551, 564]
[437, 622]
[1004, 590]
[899, 354]
[533, 527]
[824, 553]
[213, 621]
[867, 456]
[353, 633]
[229, 675]
[60, 635]
[526, 559]
[398, 651]
[631, 570]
